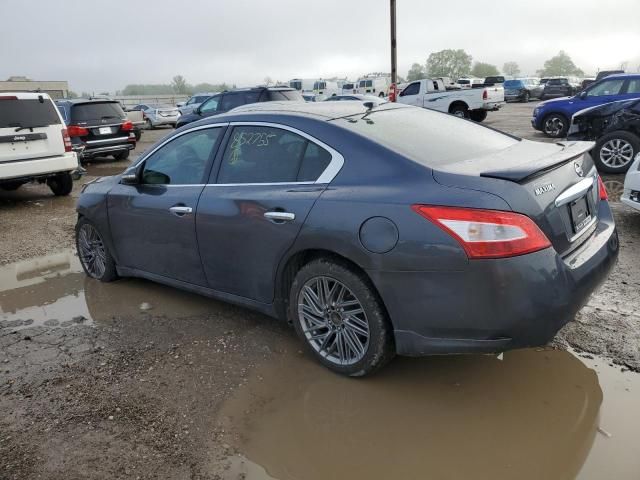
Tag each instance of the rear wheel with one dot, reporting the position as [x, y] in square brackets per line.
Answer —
[148, 125]
[526, 97]
[61, 184]
[459, 110]
[122, 155]
[340, 318]
[555, 125]
[478, 115]
[94, 255]
[11, 186]
[615, 151]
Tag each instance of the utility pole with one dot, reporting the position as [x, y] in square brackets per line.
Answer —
[394, 58]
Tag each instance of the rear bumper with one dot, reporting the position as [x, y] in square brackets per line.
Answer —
[27, 169]
[91, 152]
[158, 121]
[631, 193]
[492, 106]
[496, 305]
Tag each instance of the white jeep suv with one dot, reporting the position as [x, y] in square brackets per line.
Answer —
[34, 144]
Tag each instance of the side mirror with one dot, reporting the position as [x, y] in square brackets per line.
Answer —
[133, 177]
[197, 110]
[583, 95]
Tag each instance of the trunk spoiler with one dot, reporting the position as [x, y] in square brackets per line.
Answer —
[531, 167]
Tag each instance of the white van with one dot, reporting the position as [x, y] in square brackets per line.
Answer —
[325, 89]
[302, 84]
[34, 143]
[374, 86]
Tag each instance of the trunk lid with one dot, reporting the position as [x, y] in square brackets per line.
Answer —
[556, 185]
[30, 128]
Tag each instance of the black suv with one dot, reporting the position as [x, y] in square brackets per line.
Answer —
[98, 128]
[558, 87]
[225, 101]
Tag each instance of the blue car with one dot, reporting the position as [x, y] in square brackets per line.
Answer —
[372, 231]
[553, 117]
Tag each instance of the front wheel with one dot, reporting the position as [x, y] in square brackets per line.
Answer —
[95, 258]
[526, 97]
[61, 184]
[615, 151]
[340, 318]
[478, 115]
[555, 125]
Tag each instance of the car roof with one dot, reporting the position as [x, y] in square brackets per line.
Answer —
[250, 89]
[76, 101]
[320, 110]
[621, 76]
[25, 95]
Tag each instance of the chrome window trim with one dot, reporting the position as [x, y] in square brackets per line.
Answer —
[576, 191]
[107, 140]
[327, 176]
[146, 155]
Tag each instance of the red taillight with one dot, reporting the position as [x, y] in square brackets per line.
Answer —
[487, 233]
[76, 131]
[68, 146]
[126, 126]
[485, 94]
[602, 190]
[8, 97]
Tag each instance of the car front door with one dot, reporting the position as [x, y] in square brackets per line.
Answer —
[268, 179]
[603, 92]
[411, 95]
[153, 221]
[210, 107]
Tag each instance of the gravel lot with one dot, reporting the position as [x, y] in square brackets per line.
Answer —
[137, 380]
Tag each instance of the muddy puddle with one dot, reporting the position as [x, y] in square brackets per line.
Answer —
[53, 291]
[534, 414]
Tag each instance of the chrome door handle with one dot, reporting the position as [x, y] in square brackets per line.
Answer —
[181, 210]
[280, 216]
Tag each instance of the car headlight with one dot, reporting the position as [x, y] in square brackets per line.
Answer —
[536, 111]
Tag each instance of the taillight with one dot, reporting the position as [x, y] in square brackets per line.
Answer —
[485, 94]
[68, 146]
[76, 131]
[487, 233]
[602, 190]
[126, 126]
[8, 97]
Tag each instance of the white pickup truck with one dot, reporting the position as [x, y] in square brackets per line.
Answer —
[473, 103]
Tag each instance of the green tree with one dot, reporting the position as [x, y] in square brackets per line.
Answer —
[481, 70]
[416, 72]
[449, 63]
[559, 65]
[179, 84]
[511, 68]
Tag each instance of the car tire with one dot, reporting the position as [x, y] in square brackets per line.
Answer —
[95, 258]
[61, 184]
[555, 125]
[526, 98]
[122, 155]
[148, 125]
[478, 115]
[460, 111]
[615, 151]
[138, 133]
[357, 344]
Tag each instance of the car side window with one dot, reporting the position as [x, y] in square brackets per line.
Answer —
[210, 105]
[257, 154]
[609, 87]
[633, 85]
[411, 89]
[183, 160]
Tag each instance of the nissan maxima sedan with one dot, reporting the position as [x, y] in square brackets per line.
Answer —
[374, 232]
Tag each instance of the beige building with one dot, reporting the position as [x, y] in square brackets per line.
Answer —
[55, 89]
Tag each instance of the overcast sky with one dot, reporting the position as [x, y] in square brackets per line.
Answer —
[104, 45]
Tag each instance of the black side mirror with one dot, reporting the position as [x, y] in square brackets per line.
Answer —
[583, 95]
[196, 110]
[132, 177]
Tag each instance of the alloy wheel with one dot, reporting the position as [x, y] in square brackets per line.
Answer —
[553, 126]
[616, 153]
[333, 320]
[91, 251]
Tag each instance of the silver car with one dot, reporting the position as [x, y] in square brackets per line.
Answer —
[194, 102]
[156, 114]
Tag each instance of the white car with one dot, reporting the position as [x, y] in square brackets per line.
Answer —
[631, 193]
[34, 143]
[157, 115]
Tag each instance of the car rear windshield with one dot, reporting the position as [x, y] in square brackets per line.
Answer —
[27, 113]
[513, 83]
[286, 95]
[430, 138]
[348, 86]
[557, 81]
[96, 111]
[464, 82]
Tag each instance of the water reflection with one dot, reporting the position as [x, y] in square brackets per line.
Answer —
[531, 415]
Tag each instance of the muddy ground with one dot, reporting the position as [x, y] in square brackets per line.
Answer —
[137, 380]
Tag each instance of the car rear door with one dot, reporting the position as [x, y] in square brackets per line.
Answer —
[30, 128]
[268, 180]
[153, 222]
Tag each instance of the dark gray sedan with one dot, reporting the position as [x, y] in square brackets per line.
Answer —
[374, 232]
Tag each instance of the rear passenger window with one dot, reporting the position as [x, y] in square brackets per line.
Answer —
[271, 155]
[634, 86]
